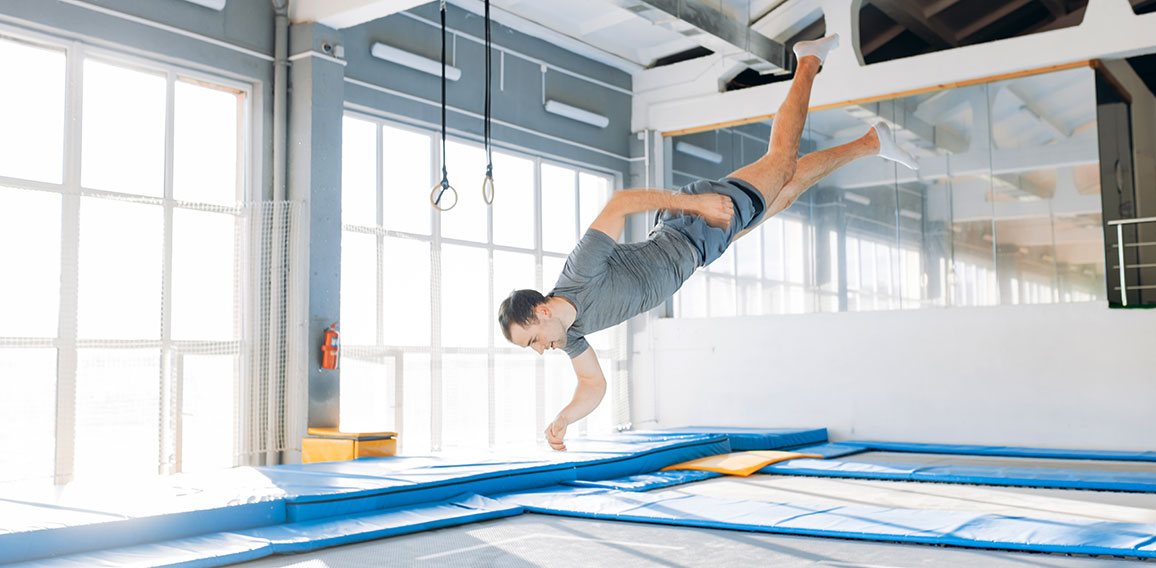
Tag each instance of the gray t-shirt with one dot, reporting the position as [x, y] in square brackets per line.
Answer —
[609, 282]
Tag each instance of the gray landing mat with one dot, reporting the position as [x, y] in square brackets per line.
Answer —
[540, 540]
[1036, 503]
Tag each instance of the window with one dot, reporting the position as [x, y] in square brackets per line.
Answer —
[420, 290]
[128, 293]
[1004, 210]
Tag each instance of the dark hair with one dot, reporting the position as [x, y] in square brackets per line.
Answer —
[519, 308]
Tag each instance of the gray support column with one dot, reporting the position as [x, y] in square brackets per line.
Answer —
[316, 100]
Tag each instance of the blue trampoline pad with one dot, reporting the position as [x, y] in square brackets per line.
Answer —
[1100, 475]
[1007, 451]
[746, 439]
[966, 529]
[80, 518]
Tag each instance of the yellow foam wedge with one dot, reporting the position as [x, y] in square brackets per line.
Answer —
[740, 463]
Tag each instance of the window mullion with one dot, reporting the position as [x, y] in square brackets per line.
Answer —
[69, 270]
[170, 379]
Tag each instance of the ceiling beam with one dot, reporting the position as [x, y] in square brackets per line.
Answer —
[1055, 7]
[909, 15]
[765, 54]
[991, 18]
[340, 14]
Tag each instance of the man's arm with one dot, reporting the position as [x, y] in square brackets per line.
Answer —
[589, 392]
[716, 208]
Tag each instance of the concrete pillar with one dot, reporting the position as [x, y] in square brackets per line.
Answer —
[316, 100]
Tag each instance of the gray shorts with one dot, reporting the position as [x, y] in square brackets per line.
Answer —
[711, 242]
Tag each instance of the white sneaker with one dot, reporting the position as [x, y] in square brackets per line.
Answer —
[817, 47]
[888, 150]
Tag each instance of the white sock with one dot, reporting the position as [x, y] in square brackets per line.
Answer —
[888, 150]
[817, 47]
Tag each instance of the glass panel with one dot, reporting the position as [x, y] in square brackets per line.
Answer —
[117, 413]
[32, 116]
[514, 400]
[465, 297]
[206, 136]
[465, 410]
[28, 414]
[204, 275]
[30, 304]
[593, 193]
[119, 154]
[551, 270]
[120, 270]
[560, 383]
[692, 296]
[208, 411]
[406, 181]
[359, 172]
[559, 232]
[468, 220]
[1048, 237]
[406, 292]
[513, 201]
[414, 432]
[367, 390]
[359, 288]
[512, 271]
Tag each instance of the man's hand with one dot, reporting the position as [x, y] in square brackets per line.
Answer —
[717, 209]
[555, 432]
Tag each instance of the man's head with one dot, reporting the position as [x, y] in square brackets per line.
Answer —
[527, 320]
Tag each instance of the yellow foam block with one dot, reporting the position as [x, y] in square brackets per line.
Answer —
[330, 444]
[740, 463]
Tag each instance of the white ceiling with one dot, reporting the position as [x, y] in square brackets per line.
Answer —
[628, 34]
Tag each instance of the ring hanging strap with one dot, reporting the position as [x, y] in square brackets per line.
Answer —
[488, 182]
[440, 188]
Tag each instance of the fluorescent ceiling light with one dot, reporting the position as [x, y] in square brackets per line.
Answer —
[910, 214]
[217, 5]
[698, 152]
[402, 57]
[575, 113]
[856, 198]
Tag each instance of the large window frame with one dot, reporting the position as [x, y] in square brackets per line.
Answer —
[395, 362]
[170, 352]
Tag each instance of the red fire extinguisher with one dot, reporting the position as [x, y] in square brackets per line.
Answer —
[330, 348]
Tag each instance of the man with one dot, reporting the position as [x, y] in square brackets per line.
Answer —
[605, 283]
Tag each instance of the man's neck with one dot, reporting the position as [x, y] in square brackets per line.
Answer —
[563, 310]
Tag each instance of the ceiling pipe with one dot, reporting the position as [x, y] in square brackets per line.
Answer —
[280, 93]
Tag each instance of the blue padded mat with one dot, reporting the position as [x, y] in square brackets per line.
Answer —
[832, 450]
[746, 439]
[226, 548]
[648, 481]
[859, 522]
[78, 518]
[377, 483]
[982, 475]
[1005, 451]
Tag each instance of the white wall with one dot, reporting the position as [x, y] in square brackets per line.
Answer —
[1061, 375]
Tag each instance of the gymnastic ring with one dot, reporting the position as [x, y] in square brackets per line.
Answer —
[488, 194]
[435, 201]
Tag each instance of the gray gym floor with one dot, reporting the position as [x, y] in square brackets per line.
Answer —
[541, 540]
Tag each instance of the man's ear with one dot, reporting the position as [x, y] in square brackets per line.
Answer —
[542, 311]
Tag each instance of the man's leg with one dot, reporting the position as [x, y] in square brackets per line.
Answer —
[814, 167]
[818, 165]
[771, 172]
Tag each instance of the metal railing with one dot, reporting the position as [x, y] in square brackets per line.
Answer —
[1123, 287]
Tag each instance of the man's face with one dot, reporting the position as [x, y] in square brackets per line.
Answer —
[546, 333]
